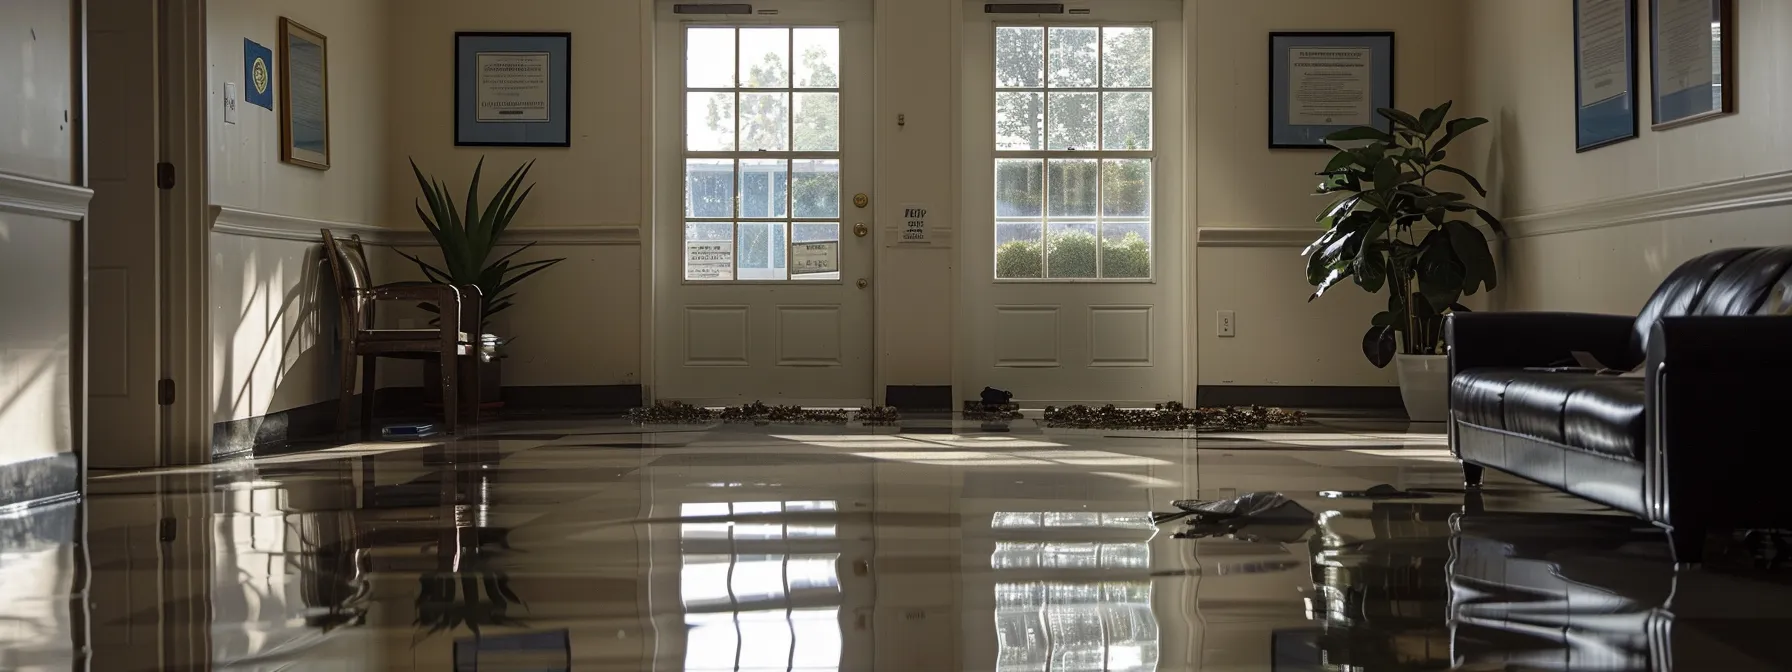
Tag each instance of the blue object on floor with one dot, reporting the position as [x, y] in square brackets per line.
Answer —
[407, 432]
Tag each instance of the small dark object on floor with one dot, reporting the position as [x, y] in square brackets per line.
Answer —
[991, 412]
[1253, 516]
[878, 415]
[1171, 416]
[1383, 491]
[995, 397]
[1769, 548]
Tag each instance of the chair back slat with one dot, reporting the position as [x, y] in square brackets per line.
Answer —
[348, 263]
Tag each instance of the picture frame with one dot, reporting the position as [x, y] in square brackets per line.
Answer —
[304, 96]
[1342, 79]
[1680, 51]
[1605, 73]
[512, 89]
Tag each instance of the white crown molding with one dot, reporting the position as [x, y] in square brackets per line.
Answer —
[40, 198]
[1760, 191]
[255, 224]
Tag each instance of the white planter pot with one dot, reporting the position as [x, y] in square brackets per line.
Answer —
[1424, 386]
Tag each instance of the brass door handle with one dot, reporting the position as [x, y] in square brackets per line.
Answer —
[863, 283]
[860, 230]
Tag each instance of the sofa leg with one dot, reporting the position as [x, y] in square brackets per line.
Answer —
[1472, 475]
[1688, 544]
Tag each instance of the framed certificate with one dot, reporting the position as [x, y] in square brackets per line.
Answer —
[1605, 105]
[1321, 83]
[304, 96]
[512, 89]
[1692, 60]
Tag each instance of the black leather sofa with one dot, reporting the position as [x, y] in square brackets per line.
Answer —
[1692, 445]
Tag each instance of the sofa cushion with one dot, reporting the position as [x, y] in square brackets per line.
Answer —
[1591, 413]
[1605, 416]
[1745, 283]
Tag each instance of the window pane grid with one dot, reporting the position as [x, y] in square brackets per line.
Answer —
[762, 152]
[1075, 152]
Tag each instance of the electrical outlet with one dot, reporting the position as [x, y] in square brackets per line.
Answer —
[1228, 324]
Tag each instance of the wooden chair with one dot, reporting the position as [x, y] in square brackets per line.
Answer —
[455, 342]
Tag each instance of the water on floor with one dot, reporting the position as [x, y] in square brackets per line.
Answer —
[593, 545]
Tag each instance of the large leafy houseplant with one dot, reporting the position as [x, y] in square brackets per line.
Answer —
[1389, 225]
[468, 242]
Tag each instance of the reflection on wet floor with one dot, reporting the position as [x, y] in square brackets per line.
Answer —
[934, 546]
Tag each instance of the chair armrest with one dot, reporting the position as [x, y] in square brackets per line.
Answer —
[1755, 344]
[419, 291]
[472, 308]
[1478, 340]
[1716, 387]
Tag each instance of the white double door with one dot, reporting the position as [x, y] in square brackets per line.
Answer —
[1073, 247]
[763, 261]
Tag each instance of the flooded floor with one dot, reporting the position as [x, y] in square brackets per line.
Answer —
[937, 545]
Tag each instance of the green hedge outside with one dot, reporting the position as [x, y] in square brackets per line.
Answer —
[1073, 256]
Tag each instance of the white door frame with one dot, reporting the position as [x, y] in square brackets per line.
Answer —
[654, 201]
[184, 328]
[1181, 212]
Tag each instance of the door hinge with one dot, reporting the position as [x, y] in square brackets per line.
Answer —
[164, 175]
[165, 392]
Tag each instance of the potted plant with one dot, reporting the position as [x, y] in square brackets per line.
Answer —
[467, 245]
[1388, 225]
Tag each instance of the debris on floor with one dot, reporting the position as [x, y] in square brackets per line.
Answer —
[1383, 491]
[758, 413]
[1253, 516]
[1002, 412]
[1170, 416]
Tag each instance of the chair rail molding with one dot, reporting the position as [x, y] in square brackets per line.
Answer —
[1276, 236]
[41, 198]
[1743, 193]
[256, 224]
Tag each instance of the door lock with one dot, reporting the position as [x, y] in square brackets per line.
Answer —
[860, 230]
[863, 283]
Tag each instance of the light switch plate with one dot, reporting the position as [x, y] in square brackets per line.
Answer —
[230, 102]
[1227, 324]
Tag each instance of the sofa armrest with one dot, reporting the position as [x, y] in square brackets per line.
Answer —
[1478, 340]
[1716, 389]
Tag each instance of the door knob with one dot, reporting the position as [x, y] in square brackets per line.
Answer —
[860, 229]
[863, 283]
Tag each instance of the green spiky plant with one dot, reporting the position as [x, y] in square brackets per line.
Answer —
[468, 243]
[1388, 225]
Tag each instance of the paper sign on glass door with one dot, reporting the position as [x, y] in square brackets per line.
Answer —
[709, 260]
[815, 258]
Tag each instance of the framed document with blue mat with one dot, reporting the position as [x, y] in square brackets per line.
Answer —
[1322, 83]
[1692, 58]
[512, 89]
[1604, 73]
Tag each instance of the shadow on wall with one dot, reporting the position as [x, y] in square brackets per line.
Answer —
[271, 360]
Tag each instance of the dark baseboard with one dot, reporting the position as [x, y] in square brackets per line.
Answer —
[919, 398]
[573, 398]
[262, 434]
[44, 479]
[1297, 396]
[274, 429]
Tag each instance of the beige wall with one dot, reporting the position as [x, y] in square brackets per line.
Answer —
[578, 323]
[268, 351]
[36, 82]
[1598, 231]
[1240, 184]
[37, 254]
